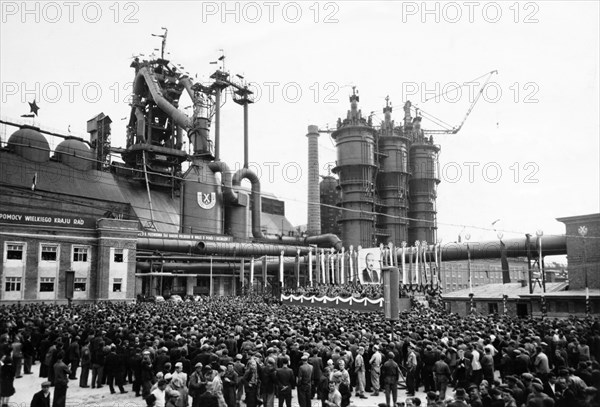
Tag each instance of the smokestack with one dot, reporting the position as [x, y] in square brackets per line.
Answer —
[314, 208]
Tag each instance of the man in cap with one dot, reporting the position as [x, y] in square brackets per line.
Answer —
[375, 363]
[390, 371]
[305, 373]
[42, 397]
[359, 369]
[411, 370]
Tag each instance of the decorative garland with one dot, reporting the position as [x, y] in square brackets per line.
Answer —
[325, 299]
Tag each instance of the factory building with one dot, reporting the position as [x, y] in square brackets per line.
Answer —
[77, 225]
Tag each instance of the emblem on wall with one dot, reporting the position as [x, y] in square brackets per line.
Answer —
[207, 201]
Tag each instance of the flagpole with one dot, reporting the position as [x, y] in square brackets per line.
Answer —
[310, 268]
[403, 262]
[417, 244]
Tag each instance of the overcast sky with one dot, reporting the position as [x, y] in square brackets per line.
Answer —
[528, 153]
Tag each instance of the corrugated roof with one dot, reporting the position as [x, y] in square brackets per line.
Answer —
[496, 291]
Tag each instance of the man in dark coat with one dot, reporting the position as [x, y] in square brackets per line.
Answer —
[284, 377]
[42, 397]
[74, 356]
[114, 370]
[61, 381]
[390, 372]
[305, 378]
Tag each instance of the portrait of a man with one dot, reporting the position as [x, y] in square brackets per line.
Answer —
[370, 268]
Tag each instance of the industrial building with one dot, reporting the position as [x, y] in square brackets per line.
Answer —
[580, 295]
[387, 179]
[76, 225]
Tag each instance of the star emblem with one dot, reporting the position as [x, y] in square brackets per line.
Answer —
[33, 107]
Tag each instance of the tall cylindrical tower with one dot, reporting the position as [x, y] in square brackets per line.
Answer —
[314, 209]
[392, 181]
[356, 168]
[424, 167]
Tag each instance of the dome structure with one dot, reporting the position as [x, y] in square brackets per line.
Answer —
[30, 144]
[74, 153]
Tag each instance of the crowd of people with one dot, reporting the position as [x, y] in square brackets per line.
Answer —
[235, 351]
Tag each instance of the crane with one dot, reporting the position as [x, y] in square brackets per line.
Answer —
[449, 129]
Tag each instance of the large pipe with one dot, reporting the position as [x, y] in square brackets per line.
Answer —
[226, 248]
[251, 176]
[170, 267]
[218, 124]
[327, 240]
[249, 249]
[145, 75]
[553, 246]
[230, 196]
[142, 266]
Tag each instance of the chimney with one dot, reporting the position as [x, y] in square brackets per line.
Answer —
[314, 207]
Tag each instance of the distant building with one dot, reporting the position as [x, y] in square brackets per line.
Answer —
[562, 298]
[454, 275]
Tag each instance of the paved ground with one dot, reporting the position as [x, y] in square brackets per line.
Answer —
[76, 396]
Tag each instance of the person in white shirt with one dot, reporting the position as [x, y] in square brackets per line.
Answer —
[158, 394]
[476, 371]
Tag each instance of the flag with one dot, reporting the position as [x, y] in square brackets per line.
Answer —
[504, 263]
[34, 182]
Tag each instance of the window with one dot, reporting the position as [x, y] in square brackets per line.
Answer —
[79, 284]
[14, 251]
[46, 284]
[492, 307]
[49, 252]
[117, 285]
[13, 284]
[80, 253]
[118, 256]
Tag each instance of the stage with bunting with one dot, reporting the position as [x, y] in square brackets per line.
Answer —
[352, 303]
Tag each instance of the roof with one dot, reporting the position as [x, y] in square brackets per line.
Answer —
[594, 293]
[578, 218]
[165, 209]
[496, 291]
[58, 178]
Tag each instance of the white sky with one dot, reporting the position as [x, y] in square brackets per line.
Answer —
[384, 48]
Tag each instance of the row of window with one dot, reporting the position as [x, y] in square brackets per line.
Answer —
[49, 252]
[47, 284]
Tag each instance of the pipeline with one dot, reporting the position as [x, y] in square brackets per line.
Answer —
[144, 267]
[170, 267]
[230, 196]
[146, 75]
[251, 176]
[249, 249]
[328, 240]
[552, 246]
